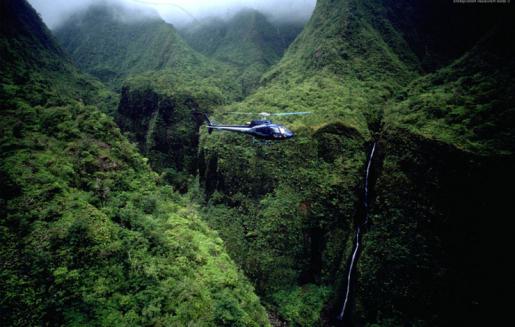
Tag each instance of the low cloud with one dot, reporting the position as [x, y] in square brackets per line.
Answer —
[181, 12]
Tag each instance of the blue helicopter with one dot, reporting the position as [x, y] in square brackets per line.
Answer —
[262, 129]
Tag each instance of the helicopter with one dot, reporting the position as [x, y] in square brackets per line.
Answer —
[263, 128]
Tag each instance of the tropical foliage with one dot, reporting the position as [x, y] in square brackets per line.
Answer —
[90, 234]
[94, 233]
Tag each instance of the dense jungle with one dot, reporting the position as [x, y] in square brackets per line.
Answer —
[119, 208]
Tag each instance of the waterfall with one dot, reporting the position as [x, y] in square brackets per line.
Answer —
[358, 234]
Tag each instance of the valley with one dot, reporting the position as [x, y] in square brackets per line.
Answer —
[119, 208]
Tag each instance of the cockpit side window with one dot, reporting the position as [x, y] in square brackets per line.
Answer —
[264, 130]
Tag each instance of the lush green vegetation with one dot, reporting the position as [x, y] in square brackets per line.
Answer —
[112, 43]
[302, 305]
[469, 103]
[161, 79]
[446, 144]
[35, 68]
[94, 236]
[353, 67]
[90, 234]
[294, 204]
[159, 109]
[248, 41]
[283, 200]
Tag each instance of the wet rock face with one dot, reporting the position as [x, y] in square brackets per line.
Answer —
[134, 112]
[431, 207]
[165, 129]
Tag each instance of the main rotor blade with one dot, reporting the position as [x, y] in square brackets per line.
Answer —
[266, 114]
[291, 113]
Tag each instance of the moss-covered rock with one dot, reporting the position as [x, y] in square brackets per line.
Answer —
[421, 260]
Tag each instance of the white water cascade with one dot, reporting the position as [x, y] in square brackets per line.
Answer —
[358, 234]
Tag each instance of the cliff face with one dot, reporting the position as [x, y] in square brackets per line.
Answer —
[166, 130]
[90, 235]
[446, 155]
[421, 259]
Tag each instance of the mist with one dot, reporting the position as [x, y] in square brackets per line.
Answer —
[181, 12]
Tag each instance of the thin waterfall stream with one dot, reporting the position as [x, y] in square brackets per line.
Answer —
[357, 242]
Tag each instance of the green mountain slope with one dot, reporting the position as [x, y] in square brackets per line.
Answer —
[90, 235]
[469, 103]
[35, 68]
[428, 81]
[342, 66]
[111, 42]
[162, 81]
[247, 41]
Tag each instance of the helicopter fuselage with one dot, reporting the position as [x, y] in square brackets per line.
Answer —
[261, 129]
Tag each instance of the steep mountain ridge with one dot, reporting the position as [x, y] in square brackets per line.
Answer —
[90, 234]
[248, 41]
[447, 147]
[246, 38]
[334, 40]
[107, 45]
[35, 68]
[341, 66]
[468, 103]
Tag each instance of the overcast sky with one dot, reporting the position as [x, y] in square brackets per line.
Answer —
[181, 12]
